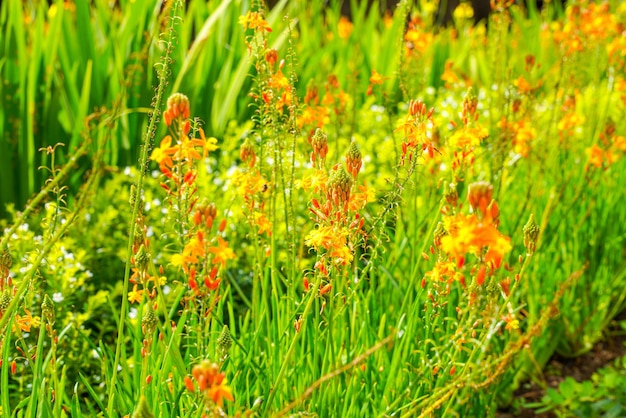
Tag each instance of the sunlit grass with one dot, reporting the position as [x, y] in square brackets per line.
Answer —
[331, 216]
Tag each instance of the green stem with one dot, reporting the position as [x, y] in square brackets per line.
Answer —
[292, 346]
[37, 374]
[50, 186]
[143, 165]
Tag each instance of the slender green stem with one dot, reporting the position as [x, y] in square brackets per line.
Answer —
[283, 368]
[143, 164]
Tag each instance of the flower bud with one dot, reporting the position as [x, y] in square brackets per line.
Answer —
[451, 195]
[224, 341]
[470, 106]
[480, 196]
[531, 233]
[319, 142]
[247, 153]
[47, 310]
[142, 258]
[149, 320]
[354, 160]
[177, 107]
[338, 187]
[271, 57]
[440, 232]
[5, 300]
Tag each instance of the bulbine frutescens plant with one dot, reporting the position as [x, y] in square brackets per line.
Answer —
[276, 281]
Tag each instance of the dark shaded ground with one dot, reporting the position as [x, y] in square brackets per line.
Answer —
[580, 368]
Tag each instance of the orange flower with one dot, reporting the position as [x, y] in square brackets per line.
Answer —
[449, 76]
[25, 322]
[263, 223]
[375, 79]
[467, 234]
[416, 38]
[211, 382]
[443, 271]
[596, 156]
[315, 182]
[163, 154]
[360, 198]
[222, 252]
[186, 149]
[315, 116]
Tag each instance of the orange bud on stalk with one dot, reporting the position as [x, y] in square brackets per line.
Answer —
[189, 384]
[326, 289]
[480, 277]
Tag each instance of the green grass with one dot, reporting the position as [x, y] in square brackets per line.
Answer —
[392, 304]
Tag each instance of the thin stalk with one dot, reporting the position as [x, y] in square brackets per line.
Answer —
[37, 375]
[283, 368]
[163, 74]
[50, 186]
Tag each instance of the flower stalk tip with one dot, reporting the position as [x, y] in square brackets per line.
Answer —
[531, 234]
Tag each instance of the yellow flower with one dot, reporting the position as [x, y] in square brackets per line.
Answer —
[512, 325]
[186, 149]
[315, 182]
[222, 252]
[135, 295]
[210, 144]
[344, 27]
[254, 20]
[342, 255]
[468, 137]
[163, 154]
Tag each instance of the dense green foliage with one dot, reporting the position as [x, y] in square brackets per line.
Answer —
[337, 217]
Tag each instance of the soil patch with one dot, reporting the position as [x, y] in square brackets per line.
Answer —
[580, 368]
